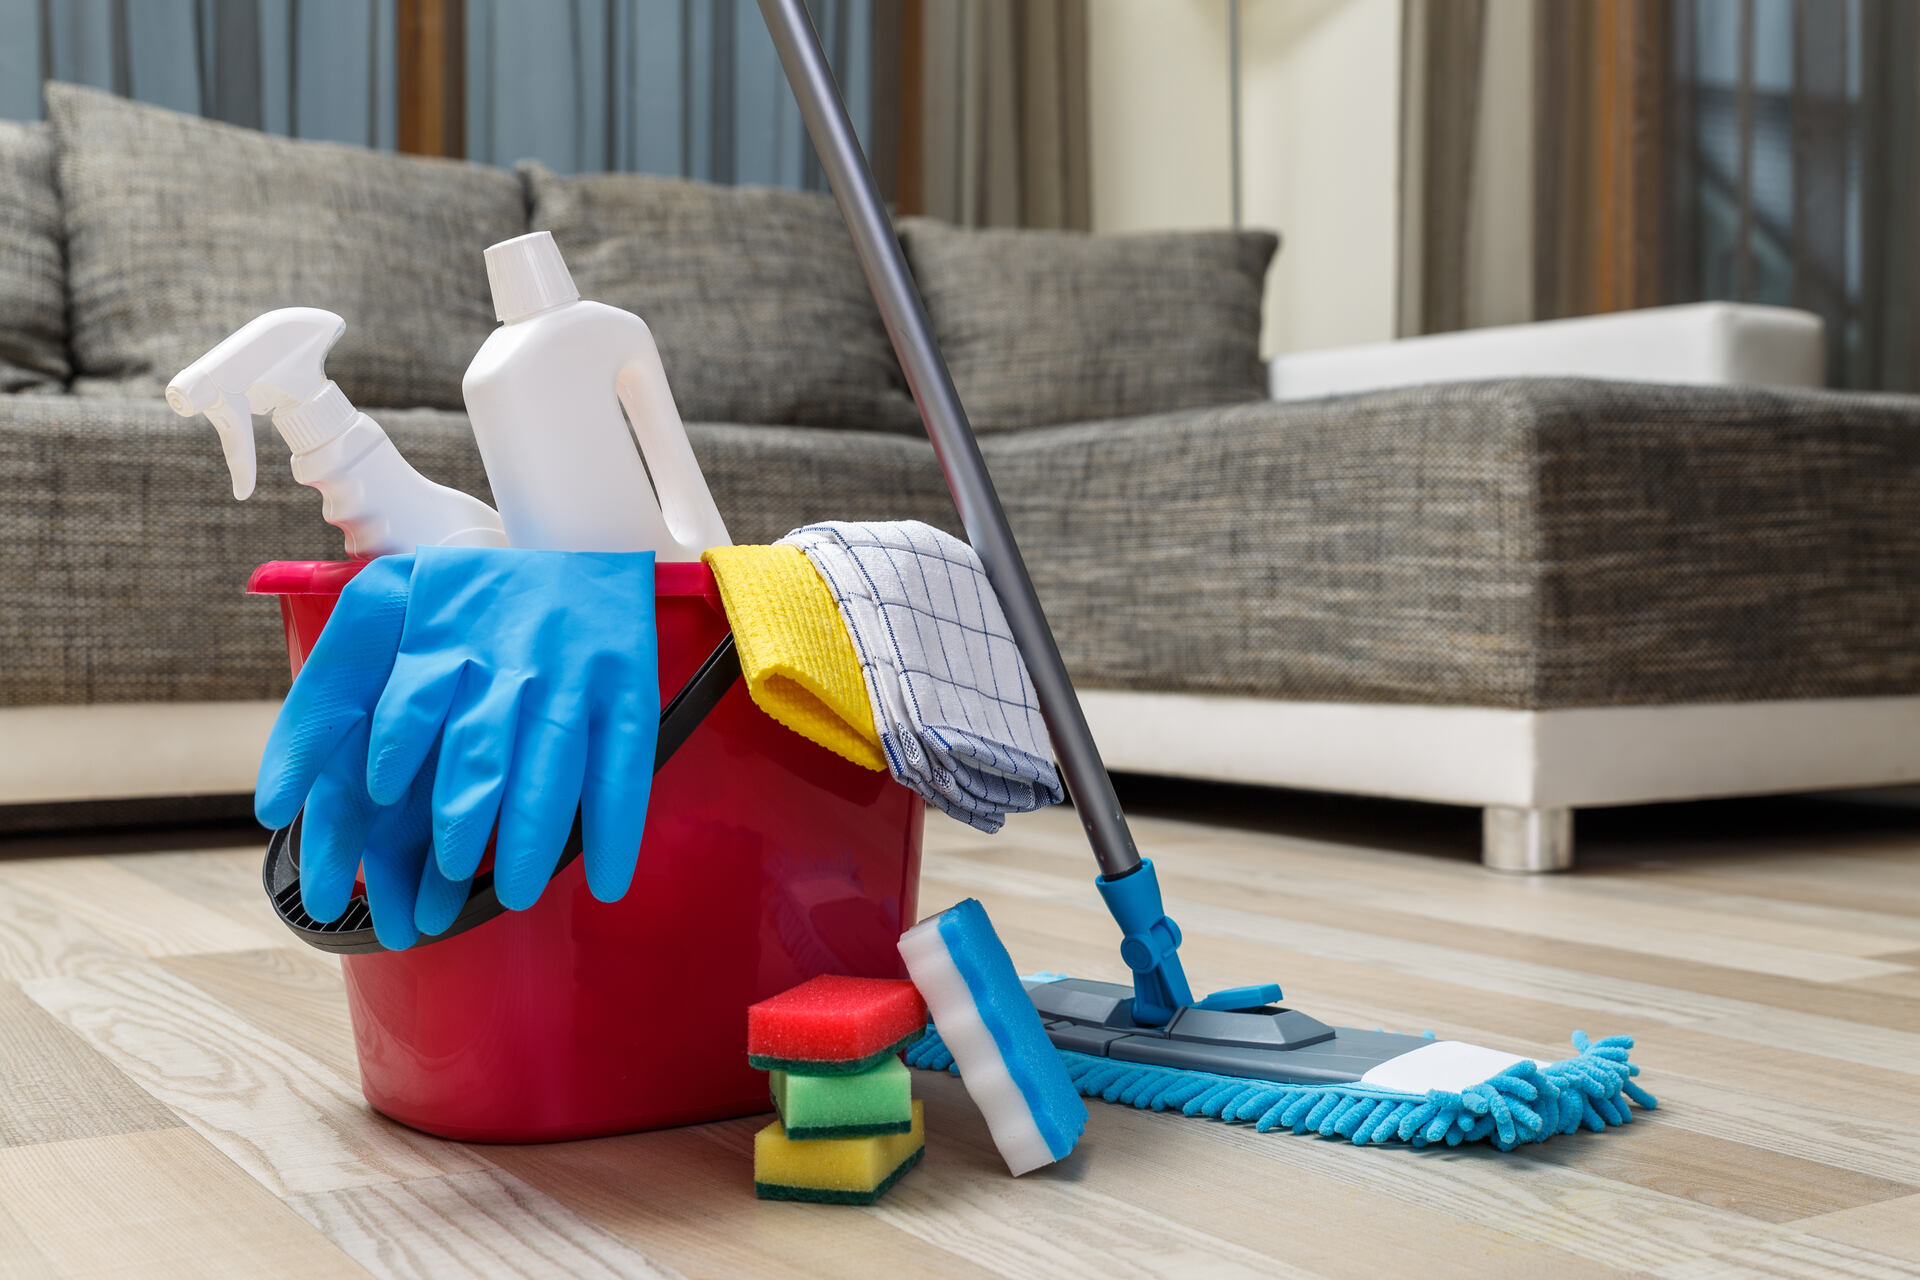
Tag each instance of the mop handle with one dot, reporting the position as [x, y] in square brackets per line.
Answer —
[953, 442]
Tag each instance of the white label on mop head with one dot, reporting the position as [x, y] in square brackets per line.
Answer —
[1447, 1065]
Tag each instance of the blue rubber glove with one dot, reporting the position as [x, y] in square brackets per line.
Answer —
[316, 759]
[536, 673]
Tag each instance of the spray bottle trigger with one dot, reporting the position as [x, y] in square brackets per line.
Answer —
[235, 425]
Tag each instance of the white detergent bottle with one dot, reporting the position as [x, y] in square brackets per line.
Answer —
[545, 395]
[276, 364]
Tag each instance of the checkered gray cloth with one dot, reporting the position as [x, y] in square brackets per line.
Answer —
[951, 697]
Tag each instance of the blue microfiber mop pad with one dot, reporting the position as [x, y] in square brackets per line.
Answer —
[1526, 1102]
[1010, 1068]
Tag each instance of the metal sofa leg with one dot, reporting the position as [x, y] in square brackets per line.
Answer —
[1527, 841]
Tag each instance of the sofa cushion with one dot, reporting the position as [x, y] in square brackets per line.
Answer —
[768, 481]
[754, 295]
[107, 597]
[180, 230]
[1045, 327]
[1528, 544]
[1523, 544]
[33, 281]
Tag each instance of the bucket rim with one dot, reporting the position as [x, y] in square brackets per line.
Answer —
[328, 577]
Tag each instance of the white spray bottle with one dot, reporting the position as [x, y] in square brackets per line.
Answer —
[276, 363]
[545, 396]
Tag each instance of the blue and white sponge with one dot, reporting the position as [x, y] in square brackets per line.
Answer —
[1010, 1068]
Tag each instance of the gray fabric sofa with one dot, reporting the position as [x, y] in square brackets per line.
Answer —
[1528, 595]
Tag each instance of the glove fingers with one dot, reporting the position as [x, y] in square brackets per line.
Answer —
[440, 900]
[334, 829]
[397, 849]
[336, 688]
[474, 757]
[618, 785]
[543, 792]
[297, 749]
[407, 722]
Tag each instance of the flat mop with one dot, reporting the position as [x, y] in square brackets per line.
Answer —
[1236, 1055]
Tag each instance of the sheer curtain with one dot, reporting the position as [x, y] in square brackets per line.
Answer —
[1666, 151]
[689, 87]
[318, 69]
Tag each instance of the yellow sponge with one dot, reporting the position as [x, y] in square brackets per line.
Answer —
[798, 661]
[834, 1170]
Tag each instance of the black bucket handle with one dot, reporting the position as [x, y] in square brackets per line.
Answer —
[352, 934]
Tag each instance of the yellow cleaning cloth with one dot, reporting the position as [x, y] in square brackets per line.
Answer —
[794, 651]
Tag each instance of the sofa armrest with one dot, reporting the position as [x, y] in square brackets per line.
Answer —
[1524, 544]
[1714, 343]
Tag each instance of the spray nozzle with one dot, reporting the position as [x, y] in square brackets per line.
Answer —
[274, 362]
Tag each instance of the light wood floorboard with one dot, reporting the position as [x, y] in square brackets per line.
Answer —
[291, 993]
[132, 910]
[178, 1089]
[156, 1204]
[282, 1115]
[41, 940]
[484, 1223]
[1886, 1227]
[55, 1088]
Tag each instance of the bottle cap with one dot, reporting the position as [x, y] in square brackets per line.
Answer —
[528, 275]
[305, 427]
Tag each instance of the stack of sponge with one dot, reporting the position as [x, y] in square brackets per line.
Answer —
[849, 1127]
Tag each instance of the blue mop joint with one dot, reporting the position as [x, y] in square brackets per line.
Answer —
[1150, 945]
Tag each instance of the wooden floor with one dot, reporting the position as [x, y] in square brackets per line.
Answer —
[178, 1093]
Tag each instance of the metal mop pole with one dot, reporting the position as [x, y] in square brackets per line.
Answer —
[1134, 898]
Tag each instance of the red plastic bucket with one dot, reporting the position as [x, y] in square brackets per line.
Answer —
[766, 860]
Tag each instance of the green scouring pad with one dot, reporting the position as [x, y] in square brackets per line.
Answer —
[877, 1101]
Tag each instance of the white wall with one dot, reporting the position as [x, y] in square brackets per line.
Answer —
[1320, 112]
[1157, 84]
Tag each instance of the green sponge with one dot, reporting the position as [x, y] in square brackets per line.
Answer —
[876, 1101]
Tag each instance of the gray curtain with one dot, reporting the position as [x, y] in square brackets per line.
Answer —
[1004, 113]
[1443, 46]
[312, 69]
[689, 87]
[1467, 164]
[1757, 150]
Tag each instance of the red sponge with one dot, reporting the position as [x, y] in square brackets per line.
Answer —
[830, 1025]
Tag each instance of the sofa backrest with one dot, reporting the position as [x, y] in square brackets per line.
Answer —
[753, 294]
[33, 291]
[1044, 327]
[180, 230]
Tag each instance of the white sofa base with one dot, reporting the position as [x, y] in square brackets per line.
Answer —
[131, 750]
[1532, 762]
[1524, 767]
